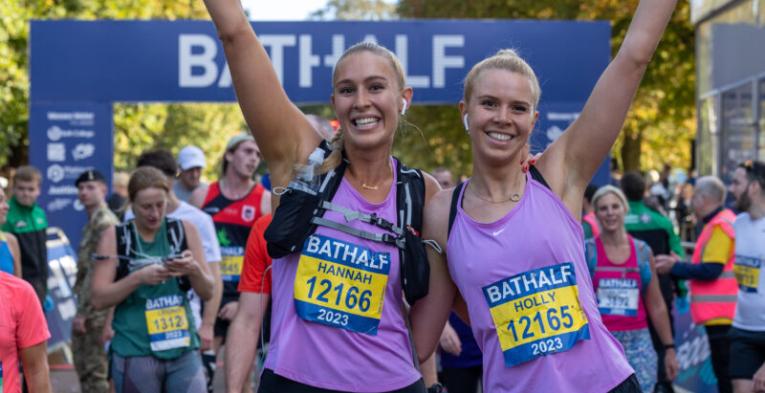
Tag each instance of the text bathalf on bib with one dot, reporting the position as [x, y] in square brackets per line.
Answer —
[537, 313]
[341, 284]
[167, 322]
[618, 296]
[747, 271]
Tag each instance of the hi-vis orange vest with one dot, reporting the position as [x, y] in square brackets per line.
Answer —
[717, 298]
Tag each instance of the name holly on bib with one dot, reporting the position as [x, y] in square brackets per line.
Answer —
[167, 322]
[747, 271]
[341, 284]
[537, 313]
[618, 296]
[231, 267]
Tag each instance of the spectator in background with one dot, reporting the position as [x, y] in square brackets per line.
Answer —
[655, 229]
[713, 285]
[23, 335]
[191, 161]
[89, 330]
[444, 177]
[10, 255]
[27, 221]
[118, 199]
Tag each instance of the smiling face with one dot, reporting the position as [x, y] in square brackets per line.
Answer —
[610, 211]
[367, 98]
[501, 114]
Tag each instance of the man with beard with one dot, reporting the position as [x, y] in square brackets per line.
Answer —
[234, 202]
[747, 367]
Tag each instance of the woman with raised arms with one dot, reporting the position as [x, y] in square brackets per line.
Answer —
[330, 332]
[513, 240]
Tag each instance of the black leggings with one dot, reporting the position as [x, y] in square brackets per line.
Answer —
[272, 383]
[629, 385]
[461, 380]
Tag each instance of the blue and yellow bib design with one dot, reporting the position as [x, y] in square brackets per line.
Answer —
[618, 296]
[537, 313]
[167, 322]
[341, 284]
[747, 271]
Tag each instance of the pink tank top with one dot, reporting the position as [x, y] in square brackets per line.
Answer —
[532, 307]
[618, 288]
[337, 319]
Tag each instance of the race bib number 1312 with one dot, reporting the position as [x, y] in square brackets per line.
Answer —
[537, 313]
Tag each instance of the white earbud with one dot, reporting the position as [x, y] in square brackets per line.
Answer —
[465, 123]
[403, 108]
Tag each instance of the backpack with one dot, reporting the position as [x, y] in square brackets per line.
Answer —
[643, 260]
[300, 213]
[127, 235]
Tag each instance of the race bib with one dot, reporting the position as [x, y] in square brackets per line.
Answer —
[537, 313]
[618, 296]
[747, 271]
[340, 284]
[168, 323]
[231, 268]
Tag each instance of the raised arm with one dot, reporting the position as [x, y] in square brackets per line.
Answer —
[281, 130]
[571, 161]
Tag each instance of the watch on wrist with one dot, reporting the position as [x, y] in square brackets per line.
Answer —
[436, 388]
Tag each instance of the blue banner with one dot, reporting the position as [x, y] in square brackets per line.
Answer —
[67, 139]
[108, 61]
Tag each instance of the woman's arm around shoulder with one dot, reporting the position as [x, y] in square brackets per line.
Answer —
[429, 314]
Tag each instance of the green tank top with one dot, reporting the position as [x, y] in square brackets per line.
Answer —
[154, 320]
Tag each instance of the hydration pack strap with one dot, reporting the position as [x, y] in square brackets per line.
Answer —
[385, 238]
[372, 219]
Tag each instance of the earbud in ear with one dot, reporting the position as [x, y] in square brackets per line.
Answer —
[404, 106]
[465, 122]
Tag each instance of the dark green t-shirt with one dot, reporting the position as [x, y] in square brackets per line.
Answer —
[154, 320]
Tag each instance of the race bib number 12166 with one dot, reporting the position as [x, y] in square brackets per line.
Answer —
[537, 313]
[341, 284]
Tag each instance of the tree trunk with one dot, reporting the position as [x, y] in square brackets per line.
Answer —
[631, 151]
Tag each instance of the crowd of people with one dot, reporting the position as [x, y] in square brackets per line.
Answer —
[353, 273]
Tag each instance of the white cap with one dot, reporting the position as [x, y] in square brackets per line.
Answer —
[191, 157]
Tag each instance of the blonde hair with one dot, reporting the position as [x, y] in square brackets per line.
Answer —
[609, 189]
[336, 144]
[146, 177]
[508, 60]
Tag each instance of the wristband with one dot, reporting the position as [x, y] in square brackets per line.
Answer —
[669, 346]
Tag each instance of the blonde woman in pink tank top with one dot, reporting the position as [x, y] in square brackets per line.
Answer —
[513, 243]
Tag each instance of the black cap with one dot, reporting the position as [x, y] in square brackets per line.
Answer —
[90, 175]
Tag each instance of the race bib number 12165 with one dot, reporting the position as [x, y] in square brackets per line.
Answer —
[537, 313]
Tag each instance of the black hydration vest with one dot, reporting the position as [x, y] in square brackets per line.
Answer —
[300, 212]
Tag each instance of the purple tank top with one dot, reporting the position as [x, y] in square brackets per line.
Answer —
[532, 307]
[337, 319]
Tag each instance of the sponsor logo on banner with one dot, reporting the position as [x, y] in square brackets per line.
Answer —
[55, 173]
[58, 204]
[78, 205]
[553, 133]
[55, 133]
[56, 152]
[83, 151]
[62, 190]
